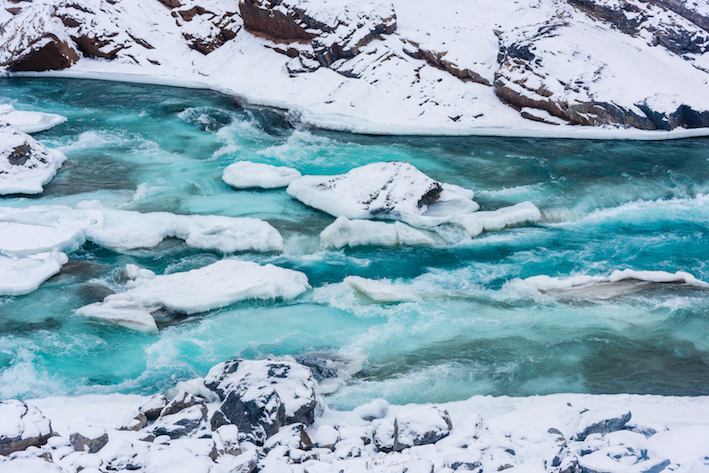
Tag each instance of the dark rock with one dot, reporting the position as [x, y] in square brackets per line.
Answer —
[137, 422]
[438, 60]
[294, 436]
[186, 422]
[421, 426]
[171, 3]
[20, 154]
[595, 422]
[154, 406]
[258, 415]
[260, 16]
[182, 401]
[42, 56]
[25, 426]
[89, 440]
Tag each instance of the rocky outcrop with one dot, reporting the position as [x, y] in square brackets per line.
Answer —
[205, 29]
[23, 426]
[438, 59]
[333, 32]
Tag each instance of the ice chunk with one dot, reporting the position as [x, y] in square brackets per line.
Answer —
[29, 122]
[387, 190]
[245, 175]
[17, 239]
[23, 275]
[379, 291]
[199, 290]
[122, 309]
[344, 232]
[25, 164]
[477, 222]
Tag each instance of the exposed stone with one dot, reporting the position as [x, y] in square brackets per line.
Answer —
[90, 439]
[25, 426]
[182, 401]
[600, 422]
[184, 423]
[437, 59]
[421, 426]
[136, 422]
[257, 418]
[171, 3]
[154, 406]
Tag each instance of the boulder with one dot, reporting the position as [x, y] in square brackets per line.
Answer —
[21, 426]
[186, 422]
[600, 422]
[89, 439]
[294, 436]
[421, 426]
[257, 415]
[154, 406]
[135, 422]
[226, 439]
[182, 401]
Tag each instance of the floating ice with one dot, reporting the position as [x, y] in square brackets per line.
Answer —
[475, 223]
[20, 276]
[29, 122]
[601, 287]
[344, 232]
[388, 190]
[25, 164]
[18, 239]
[199, 290]
[246, 175]
[379, 291]
[123, 230]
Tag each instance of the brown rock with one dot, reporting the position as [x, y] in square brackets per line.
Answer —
[259, 15]
[55, 54]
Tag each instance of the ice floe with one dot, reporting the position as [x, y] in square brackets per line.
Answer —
[23, 275]
[379, 291]
[477, 222]
[19, 239]
[25, 164]
[199, 290]
[29, 122]
[385, 190]
[618, 283]
[345, 232]
[247, 175]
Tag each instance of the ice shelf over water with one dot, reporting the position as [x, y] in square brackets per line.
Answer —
[23, 275]
[29, 122]
[345, 232]
[247, 175]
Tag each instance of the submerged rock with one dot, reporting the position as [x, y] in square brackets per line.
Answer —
[22, 426]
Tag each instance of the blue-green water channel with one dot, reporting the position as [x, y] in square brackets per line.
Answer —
[606, 204]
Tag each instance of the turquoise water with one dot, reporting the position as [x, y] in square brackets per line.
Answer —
[607, 205]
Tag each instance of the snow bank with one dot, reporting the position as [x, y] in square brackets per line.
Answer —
[29, 122]
[387, 190]
[344, 232]
[123, 230]
[199, 290]
[246, 175]
[605, 287]
[23, 275]
[25, 164]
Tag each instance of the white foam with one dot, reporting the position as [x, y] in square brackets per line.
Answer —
[20, 276]
[246, 175]
[380, 291]
[38, 165]
[344, 232]
[29, 122]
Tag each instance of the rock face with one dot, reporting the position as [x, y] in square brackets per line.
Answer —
[259, 397]
[23, 426]
[205, 29]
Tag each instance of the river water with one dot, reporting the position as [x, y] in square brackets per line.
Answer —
[478, 329]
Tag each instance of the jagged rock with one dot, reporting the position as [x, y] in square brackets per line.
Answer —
[294, 436]
[154, 406]
[24, 426]
[292, 384]
[421, 426]
[182, 401]
[437, 59]
[183, 423]
[135, 422]
[258, 414]
[89, 439]
[206, 30]
[600, 422]
[334, 32]
[34, 40]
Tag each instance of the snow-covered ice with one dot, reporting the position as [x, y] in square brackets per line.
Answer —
[29, 122]
[247, 175]
[380, 291]
[25, 274]
[345, 232]
[124, 310]
[19, 239]
[494, 220]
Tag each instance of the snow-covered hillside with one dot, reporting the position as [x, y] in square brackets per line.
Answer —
[540, 67]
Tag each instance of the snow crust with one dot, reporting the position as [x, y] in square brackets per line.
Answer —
[25, 164]
[23, 275]
[19, 239]
[475, 223]
[29, 122]
[246, 175]
[344, 232]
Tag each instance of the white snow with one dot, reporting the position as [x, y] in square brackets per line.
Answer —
[23, 275]
[19, 239]
[199, 290]
[495, 220]
[380, 291]
[386, 190]
[344, 232]
[246, 175]
[29, 122]
[37, 164]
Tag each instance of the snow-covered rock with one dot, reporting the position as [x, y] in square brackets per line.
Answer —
[23, 275]
[386, 190]
[21, 426]
[379, 291]
[259, 397]
[182, 423]
[345, 232]
[29, 122]
[89, 438]
[601, 422]
[421, 426]
[153, 407]
[199, 290]
[247, 175]
[25, 164]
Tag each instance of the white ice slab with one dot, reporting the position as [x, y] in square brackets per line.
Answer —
[380, 291]
[247, 175]
[23, 275]
[475, 223]
[18, 239]
[344, 232]
[29, 122]
[121, 309]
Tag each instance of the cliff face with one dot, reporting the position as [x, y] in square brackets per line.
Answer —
[628, 63]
